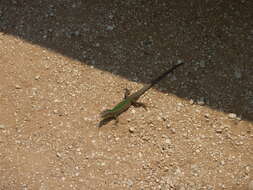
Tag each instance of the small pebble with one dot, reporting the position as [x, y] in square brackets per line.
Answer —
[238, 74]
[219, 130]
[191, 101]
[130, 183]
[202, 64]
[232, 116]
[110, 28]
[77, 174]
[76, 33]
[117, 139]
[201, 101]
[168, 141]
[110, 16]
[133, 111]
[179, 61]
[18, 87]
[173, 131]
[131, 129]
[58, 155]
[180, 104]
[37, 77]
[168, 125]
[51, 14]
[206, 115]
[2, 127]
[57, 100]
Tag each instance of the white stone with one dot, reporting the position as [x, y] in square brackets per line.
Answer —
[232, 115]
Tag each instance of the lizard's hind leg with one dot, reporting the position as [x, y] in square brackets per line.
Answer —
[140, 104]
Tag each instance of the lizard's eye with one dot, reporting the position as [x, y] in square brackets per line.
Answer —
[105, 112]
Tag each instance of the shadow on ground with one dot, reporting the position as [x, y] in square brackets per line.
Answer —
[139, 39]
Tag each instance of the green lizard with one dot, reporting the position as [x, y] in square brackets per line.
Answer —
[129, 100]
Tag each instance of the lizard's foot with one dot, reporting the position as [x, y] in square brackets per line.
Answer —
[116, 120]
[127, 93]
[140, 104]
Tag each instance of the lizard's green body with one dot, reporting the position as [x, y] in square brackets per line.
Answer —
[132, 99]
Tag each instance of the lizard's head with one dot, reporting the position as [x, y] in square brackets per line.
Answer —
[106, 114]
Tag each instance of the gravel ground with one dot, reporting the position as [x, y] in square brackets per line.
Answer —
[63, 62]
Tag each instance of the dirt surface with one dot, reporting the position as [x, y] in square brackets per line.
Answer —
[63, 62]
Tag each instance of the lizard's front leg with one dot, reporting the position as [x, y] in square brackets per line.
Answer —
[116, 120]
[127, 93]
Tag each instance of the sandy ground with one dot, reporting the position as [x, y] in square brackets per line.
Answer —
[63, 62]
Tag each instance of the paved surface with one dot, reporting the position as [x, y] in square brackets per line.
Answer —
[63, 62]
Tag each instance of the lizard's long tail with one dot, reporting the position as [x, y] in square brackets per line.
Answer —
[153, 82]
